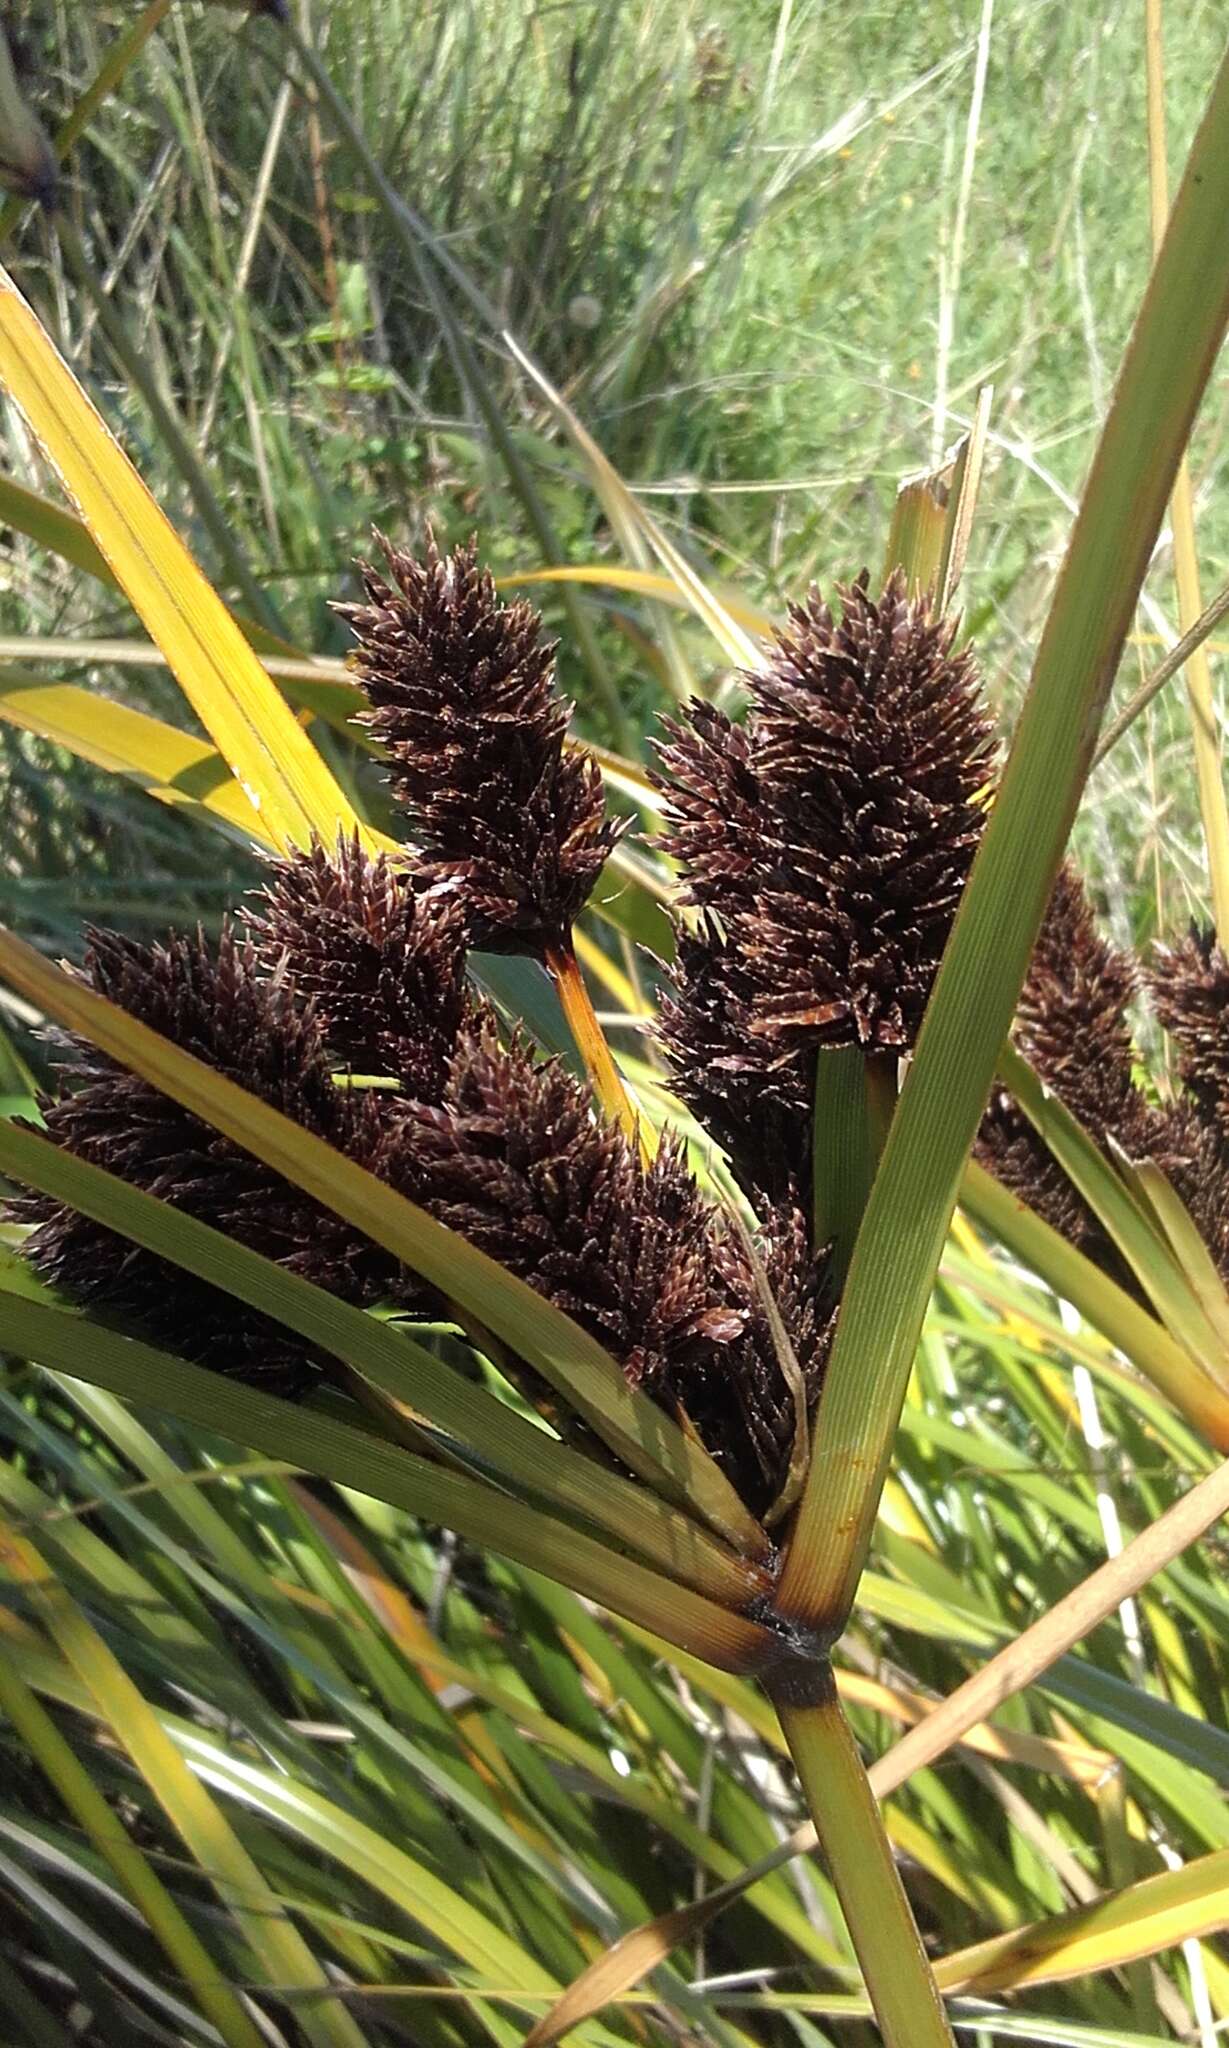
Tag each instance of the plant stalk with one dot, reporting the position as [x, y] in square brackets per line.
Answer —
[854, 1100]
[591, 1044]
[851, 1834]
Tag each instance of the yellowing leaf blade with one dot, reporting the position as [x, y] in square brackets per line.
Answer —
[286, 781]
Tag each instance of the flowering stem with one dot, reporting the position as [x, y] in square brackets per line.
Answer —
[591, 1045]
[851, 1834]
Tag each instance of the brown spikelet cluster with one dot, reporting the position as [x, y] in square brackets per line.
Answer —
[759, 1114]
[461, 695]
[213, 1003]
[516, 1162]
[826, 840]
[1189, 986]
[1073, 1027]
[383, 966]
[1072, 1018]
[346, 967]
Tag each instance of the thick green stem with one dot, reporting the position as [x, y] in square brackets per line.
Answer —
[851, 1834]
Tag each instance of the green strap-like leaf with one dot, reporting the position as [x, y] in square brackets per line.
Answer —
[351, 1457]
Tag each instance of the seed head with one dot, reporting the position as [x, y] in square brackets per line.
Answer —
[461, 694]
[213, 1005]
[827, 839]
[1073, 1023]
[754, 1101]
[515, 1161]
[1189, 985]
[1072, 1026]
[383, 967]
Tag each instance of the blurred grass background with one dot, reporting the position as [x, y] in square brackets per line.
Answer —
[767, 251]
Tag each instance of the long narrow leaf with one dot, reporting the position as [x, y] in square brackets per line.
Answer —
[256, 733]
[352, 1457]
[274, 1939]
[1157, 1913]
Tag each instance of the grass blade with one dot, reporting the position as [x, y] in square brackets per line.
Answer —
[284, 777]
[173, 766]
[283, 1953]
[1157, 1913]
[1017, 1665]
[48, 1748]
[468, 1420]
[351, 1457]
[1106, 1306]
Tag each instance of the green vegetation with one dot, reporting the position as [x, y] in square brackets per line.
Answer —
[313, 1731]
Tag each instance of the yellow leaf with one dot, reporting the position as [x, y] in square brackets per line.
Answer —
[1157, 1913]
[285, 780]
[173, 766]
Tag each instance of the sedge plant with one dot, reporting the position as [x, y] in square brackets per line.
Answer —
[283, 1165]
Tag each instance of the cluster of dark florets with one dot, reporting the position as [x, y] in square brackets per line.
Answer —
[340, 997]
[823, 842]
[460, 690]
[1073, 1025]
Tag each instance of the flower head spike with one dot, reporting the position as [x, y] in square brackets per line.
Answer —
[872, 739]
[756, 1105]
[1072, 1025]
[212, 1004]
[827, 840]
[1189, 1148]
[384, 967]
[461, 694]
[515, 1160]
[1073, 1013]
[1189, 985]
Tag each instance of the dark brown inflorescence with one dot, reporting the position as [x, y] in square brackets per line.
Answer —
[516, 1162]
[1189, 986]
[1073, 1027]
[215, 1005]
[383, 966]
[1072, 1018]
[758, 1111]
[461, 695]
[348, 967]
[826, 840]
